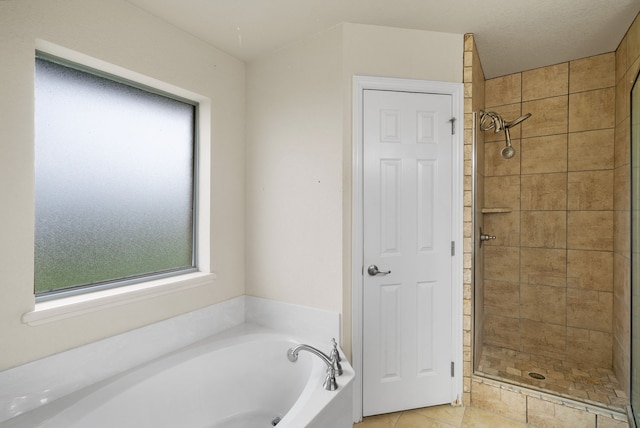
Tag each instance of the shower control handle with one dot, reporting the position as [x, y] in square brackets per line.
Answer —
[484, 237]
[373, 271]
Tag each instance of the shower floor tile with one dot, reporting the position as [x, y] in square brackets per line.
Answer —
[596, 386]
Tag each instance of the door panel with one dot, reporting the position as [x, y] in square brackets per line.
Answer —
[407, 231]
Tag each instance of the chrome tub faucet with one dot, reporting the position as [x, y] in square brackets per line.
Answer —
[332, 361]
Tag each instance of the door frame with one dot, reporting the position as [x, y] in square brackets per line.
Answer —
[456, 90]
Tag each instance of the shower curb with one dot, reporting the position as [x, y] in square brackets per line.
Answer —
[516, 402]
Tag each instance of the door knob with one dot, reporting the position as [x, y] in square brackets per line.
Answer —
[373, 271]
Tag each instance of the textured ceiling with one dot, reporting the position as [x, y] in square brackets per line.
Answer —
[511, 35]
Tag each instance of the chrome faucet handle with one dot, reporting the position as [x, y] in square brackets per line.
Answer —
[335, 357]
[330, 383]
[334, 351]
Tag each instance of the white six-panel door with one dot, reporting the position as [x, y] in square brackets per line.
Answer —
[407, 228]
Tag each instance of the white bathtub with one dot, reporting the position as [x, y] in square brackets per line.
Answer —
[240, 378]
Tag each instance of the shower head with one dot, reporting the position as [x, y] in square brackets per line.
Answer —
[508, 152]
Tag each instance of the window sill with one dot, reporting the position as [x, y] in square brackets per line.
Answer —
[55, 310]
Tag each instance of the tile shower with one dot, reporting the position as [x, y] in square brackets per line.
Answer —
[553, 297]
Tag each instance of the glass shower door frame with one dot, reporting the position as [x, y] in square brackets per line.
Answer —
[635, 253]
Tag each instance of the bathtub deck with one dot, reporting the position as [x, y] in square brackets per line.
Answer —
[596, 386]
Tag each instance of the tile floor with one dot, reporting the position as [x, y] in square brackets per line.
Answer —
[597, 386]
[444, 416]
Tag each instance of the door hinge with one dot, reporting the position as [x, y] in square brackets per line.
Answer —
[453, 125]
[453, 248]
[453, 369]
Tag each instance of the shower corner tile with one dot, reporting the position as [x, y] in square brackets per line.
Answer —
[589, 346]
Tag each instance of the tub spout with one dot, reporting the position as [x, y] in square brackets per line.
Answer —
[332, 362]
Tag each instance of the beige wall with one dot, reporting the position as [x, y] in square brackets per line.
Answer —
[627, 67]
[299, 155]
[124, 36]
[294, 174]
[548, 276]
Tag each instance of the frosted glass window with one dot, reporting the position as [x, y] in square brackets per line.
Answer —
[114, 182]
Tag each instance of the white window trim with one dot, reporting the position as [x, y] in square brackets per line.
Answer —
[57, 309]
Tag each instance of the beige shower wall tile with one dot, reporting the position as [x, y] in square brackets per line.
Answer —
[544, 414]
[502, 192]
[622, 233]
[634, 68]
[502, 331]
[504, 226]
[508, 112]
[592, 310]
[633, 42]
[468, 88]
[592, 110]
[543, 266]
[621, 59]
[547, 229]
[543, 338]
[590, 270]
[590, 190]
[622, 281]
[622, 101]
[495, 164]
[467, 75]
[469, 42]
[502, 263]
[545, 82]
[622, 300]
[548, 116]
[543, 304]
[591, 150]
[502, 298]
[589, 347]
[622, 189]
[594, 72]
[544, 154]
[503, 90]
[544, 192]
[590, 230]
[622, 143]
